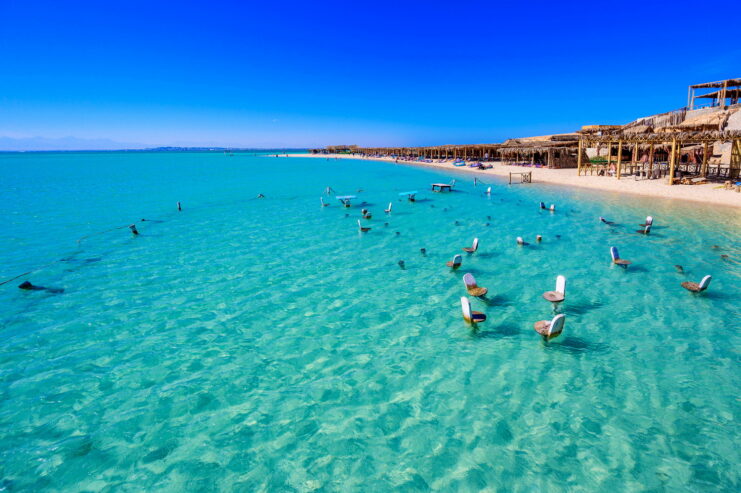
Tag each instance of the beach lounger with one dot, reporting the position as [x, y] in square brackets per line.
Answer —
[697, 288]
[322, 201]
[559, 294]
[388, 211]
[469, 315]
[473, 247]
[649, 221]
[616, 258]
[456, 262]
[552, 328]
[521, 242]
[362, 228]
[473, 288]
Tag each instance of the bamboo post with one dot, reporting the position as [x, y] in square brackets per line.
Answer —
[704, 169]
[671, 161]
[651, 161]
[619, 157]
[578, 159]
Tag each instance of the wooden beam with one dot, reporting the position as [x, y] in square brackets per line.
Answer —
[578, 159]
[620, 157]
[704, 168]
[671, 161]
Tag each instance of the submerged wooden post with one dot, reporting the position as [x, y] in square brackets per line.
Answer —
[619, 158]
[671, 161]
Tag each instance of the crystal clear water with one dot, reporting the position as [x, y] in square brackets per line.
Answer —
[266, 345]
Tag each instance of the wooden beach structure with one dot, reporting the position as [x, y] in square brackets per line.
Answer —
[664, 154]
[726, 92]
[689, 145]
[550, 151]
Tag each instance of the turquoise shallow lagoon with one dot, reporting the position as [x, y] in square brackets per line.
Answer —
[266, 345]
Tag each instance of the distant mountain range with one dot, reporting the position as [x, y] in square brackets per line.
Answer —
[41, 144]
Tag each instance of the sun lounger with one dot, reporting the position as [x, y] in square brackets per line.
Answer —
[616, 258]
[473, 247]
[469, 315]
[473, 288]
[552, 328]
[698, 288]
[559, 294]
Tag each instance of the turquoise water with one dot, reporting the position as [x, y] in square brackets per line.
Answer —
[266, 345]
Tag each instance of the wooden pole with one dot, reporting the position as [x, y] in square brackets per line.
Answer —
[704, 168]
[651, 161]
[578, 159]
[671, 161]
[619, 157]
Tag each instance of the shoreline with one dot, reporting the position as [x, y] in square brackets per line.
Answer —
[706, 194]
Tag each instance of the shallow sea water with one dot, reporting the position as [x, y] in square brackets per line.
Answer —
[251, 344]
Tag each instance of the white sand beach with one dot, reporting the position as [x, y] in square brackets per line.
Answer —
[707, 193]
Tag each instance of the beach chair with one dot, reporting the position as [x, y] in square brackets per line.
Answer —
[645, 230]
[616, 258]
[469, 315]
[552, 208]
[455, 263]
[473, 247]
[649, 221]
[388, 211]
[521, 242]
[473, 288]
[559, 294]
[362, 228]
[550, 329]
[322, 201]
[697, 288]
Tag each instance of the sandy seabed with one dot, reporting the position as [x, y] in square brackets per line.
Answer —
[707, 193]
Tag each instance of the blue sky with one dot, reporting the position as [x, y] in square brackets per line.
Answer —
[372, 73]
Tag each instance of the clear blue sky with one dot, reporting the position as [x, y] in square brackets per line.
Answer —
[314, 73]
